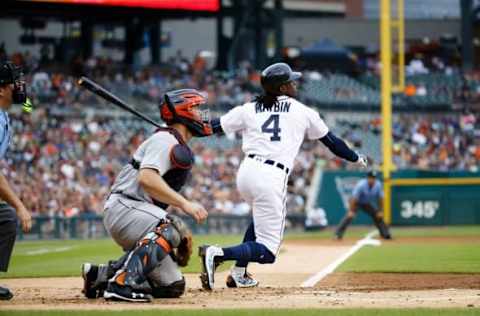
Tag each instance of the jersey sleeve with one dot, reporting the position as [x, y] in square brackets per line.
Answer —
[316, 127]
[157, 154]
[3, 136]
[234, 120]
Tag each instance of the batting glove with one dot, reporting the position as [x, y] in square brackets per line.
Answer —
[362, 161]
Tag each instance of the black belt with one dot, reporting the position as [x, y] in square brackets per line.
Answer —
[272, 163]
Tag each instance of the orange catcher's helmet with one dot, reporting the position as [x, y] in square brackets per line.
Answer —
[188, 107]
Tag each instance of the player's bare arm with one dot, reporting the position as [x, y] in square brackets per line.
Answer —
[158, 189]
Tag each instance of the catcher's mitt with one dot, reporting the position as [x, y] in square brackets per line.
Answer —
[183, 252]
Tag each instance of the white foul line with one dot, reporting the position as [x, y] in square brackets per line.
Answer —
[367, 240]
[42, 251]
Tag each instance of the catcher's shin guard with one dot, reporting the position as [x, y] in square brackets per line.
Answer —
[142, 260]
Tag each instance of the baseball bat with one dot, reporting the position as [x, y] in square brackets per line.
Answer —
[97, 89]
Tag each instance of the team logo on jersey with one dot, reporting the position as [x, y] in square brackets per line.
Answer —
[345, 186]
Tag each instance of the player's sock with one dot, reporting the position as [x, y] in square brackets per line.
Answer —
[238, 271]
[250, 251]
[249, 236]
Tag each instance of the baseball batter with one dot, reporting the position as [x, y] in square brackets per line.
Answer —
[273, 128]
[135, 215]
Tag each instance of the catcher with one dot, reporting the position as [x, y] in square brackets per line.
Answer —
[135, 215]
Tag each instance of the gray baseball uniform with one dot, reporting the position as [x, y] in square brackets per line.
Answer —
[129, 212]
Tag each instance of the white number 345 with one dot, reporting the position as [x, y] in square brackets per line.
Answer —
[422, 209]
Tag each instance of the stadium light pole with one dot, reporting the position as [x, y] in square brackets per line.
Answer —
[386, 106]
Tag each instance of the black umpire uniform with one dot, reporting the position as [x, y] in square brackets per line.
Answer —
[12, 90]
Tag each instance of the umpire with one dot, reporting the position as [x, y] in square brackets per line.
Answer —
[367, 196]
[12, 90]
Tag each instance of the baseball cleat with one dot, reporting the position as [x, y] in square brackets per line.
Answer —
[5, 294]
[387, 237]
[115, 292]
[337, 236]
[89, 275]
[209, 264]
[245, 280]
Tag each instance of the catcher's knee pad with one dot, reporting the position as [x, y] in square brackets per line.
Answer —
[173, 290]
[169, 233]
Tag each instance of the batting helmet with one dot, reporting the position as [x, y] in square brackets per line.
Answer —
[184, 106]
[275, 75]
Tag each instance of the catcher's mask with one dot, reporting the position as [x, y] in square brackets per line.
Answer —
[188, 107]
[12, 74]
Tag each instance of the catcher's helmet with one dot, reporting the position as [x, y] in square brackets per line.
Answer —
[275, 75]
[183, 106]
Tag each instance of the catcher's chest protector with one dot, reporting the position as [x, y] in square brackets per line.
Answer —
[182, 159]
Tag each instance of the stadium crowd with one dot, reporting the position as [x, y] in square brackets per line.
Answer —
[65, 165]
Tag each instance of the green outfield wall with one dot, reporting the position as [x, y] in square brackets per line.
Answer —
[418, 197]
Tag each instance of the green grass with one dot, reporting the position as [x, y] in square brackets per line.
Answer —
[259, 312]
[361, 231]
[27, 262]
[447, 231]
[447, 258]
[389, 257]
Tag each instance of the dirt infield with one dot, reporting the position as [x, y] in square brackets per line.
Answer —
[345, 281]
[279, 288]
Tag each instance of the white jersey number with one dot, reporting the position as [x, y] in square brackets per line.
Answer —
[267, 127]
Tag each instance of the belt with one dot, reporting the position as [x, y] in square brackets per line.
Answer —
[272, 163]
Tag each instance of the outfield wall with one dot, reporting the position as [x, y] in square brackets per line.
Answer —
[418, 197]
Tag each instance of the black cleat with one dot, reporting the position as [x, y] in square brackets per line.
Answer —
[337, 237]
[5, 294]
[89, 275]
[117, 292]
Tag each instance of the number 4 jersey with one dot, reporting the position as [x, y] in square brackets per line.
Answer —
[274, 133]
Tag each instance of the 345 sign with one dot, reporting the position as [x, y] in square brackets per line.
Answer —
[421, 209]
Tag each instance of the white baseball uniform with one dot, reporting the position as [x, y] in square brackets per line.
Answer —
[271, 141]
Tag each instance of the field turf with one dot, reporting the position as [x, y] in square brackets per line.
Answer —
[419, 256]
[426, 258]
[61, 258]
[261, 312]
[64, 257]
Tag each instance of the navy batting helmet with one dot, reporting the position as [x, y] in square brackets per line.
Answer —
[277, 74]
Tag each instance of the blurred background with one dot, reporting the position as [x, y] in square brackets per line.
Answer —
[65, 154]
